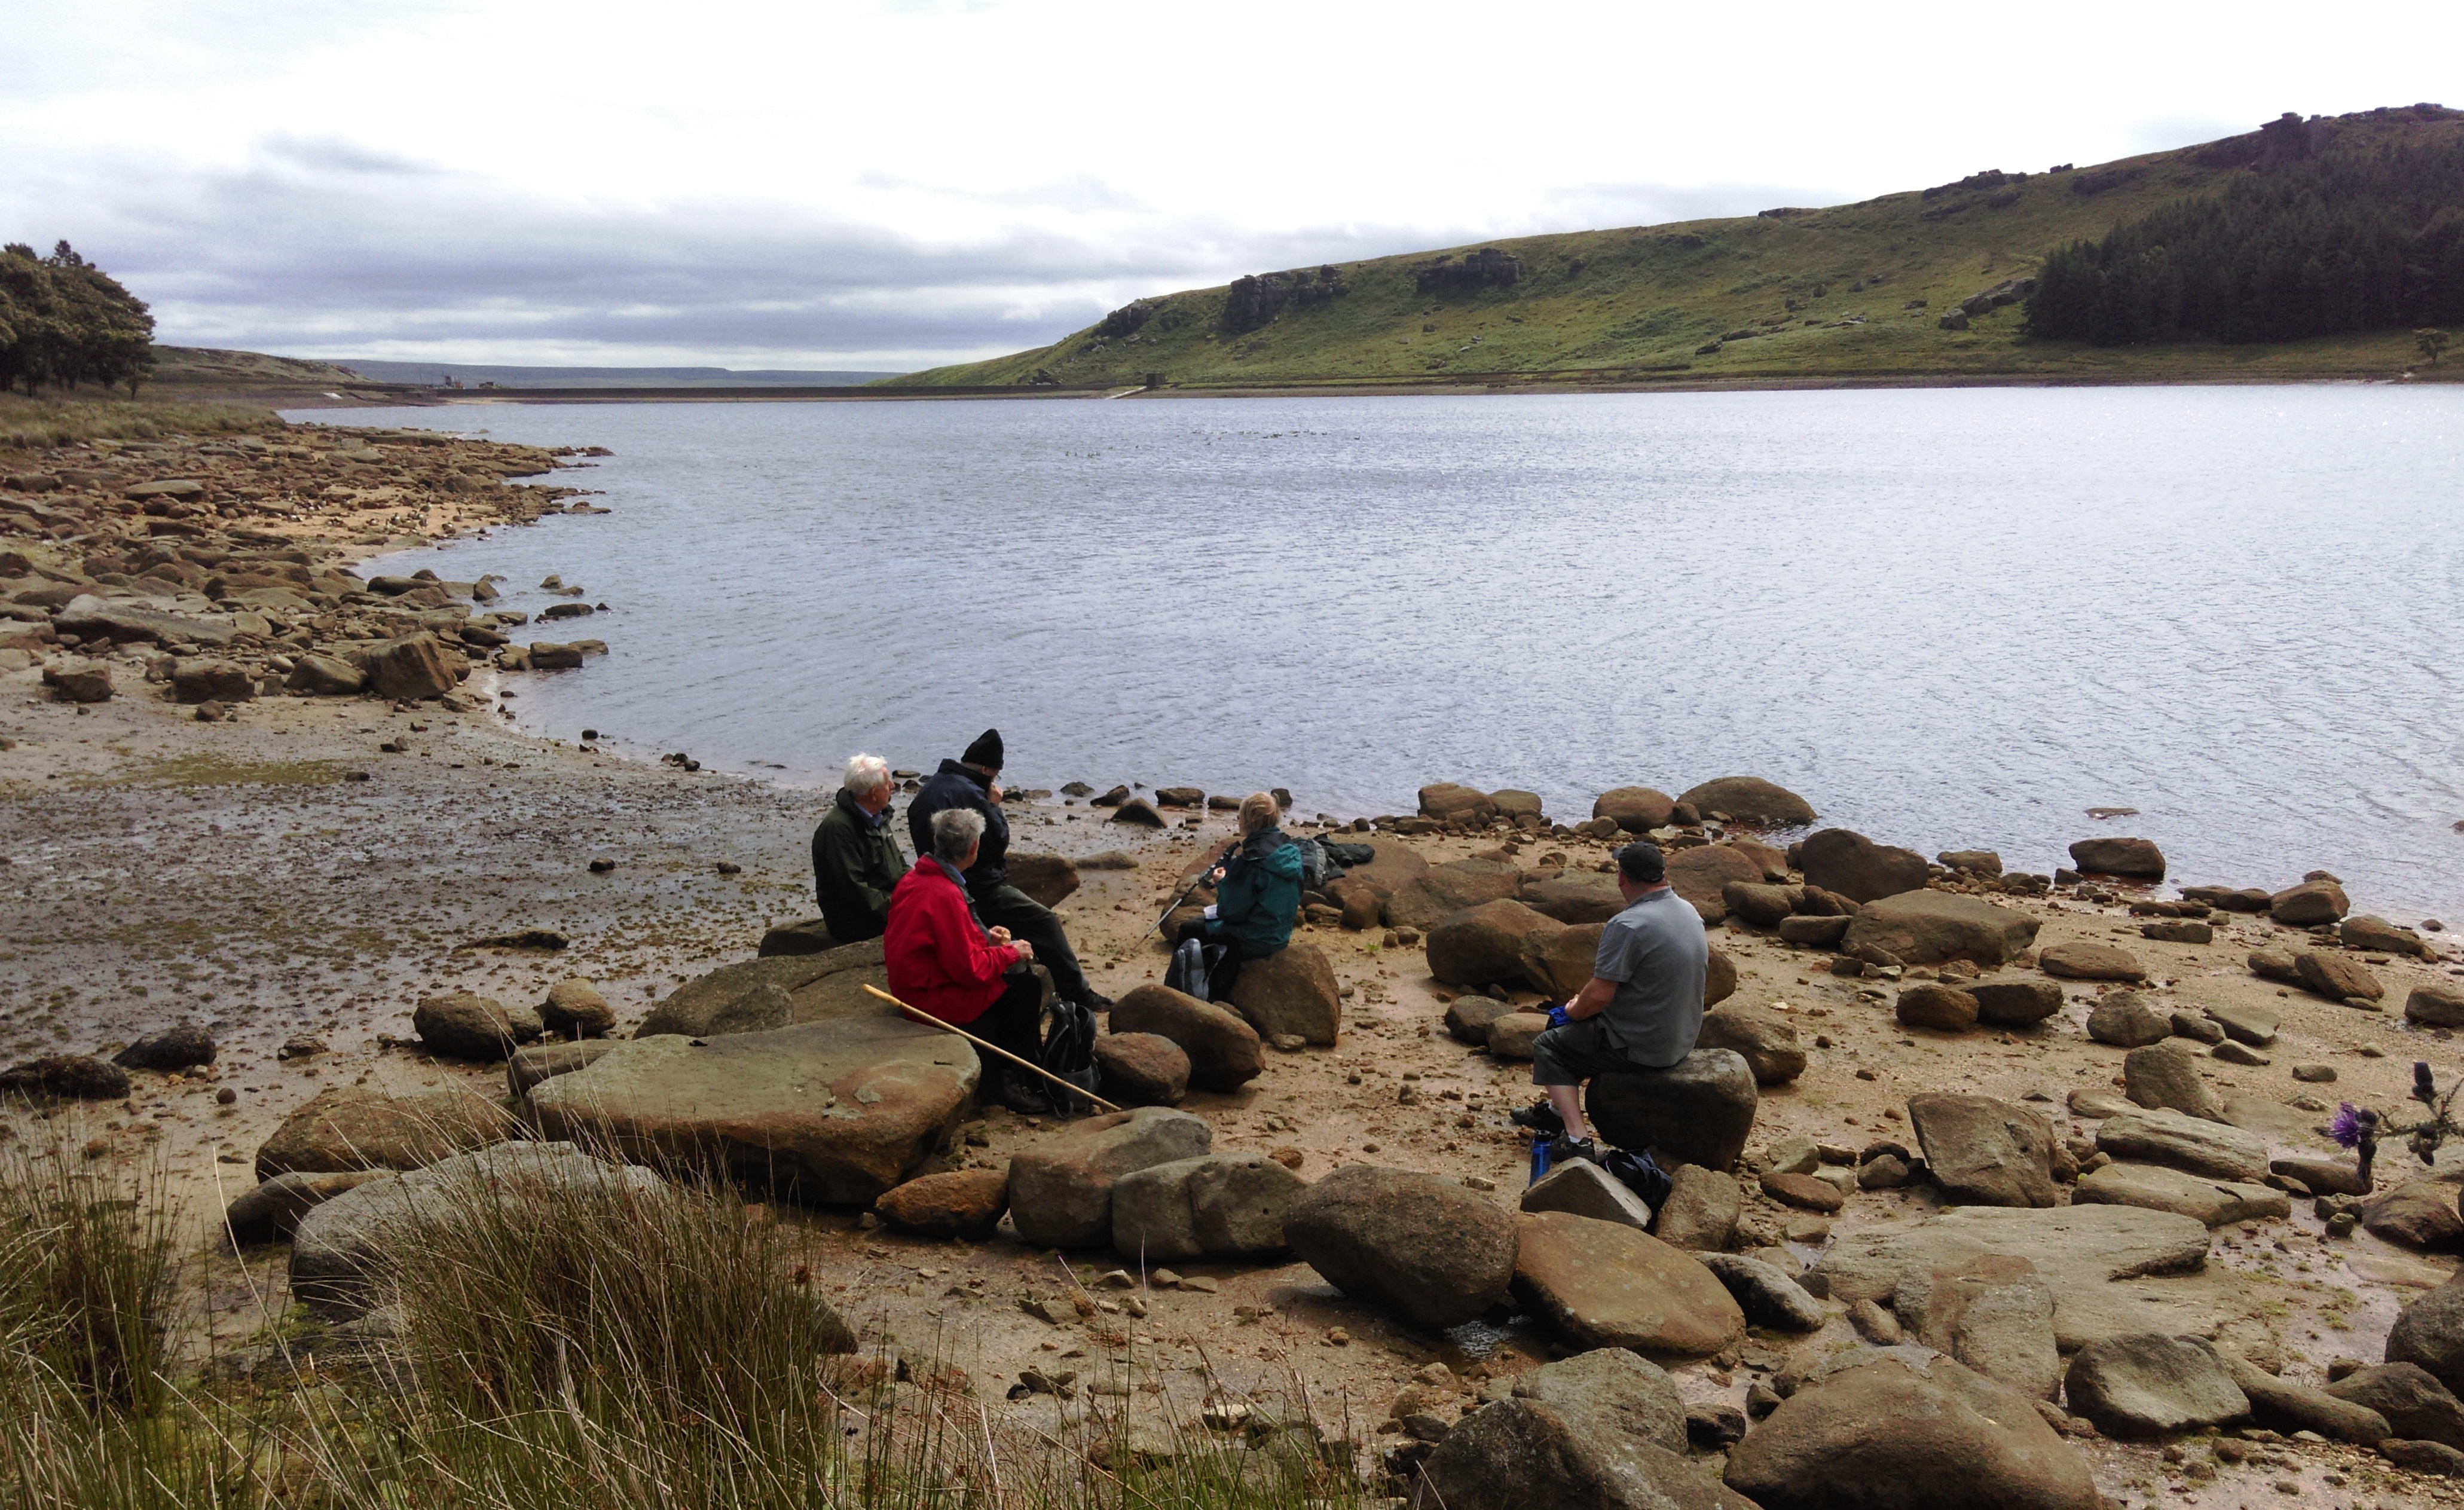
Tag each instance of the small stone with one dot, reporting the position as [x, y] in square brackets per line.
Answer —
[2315, 1074]
[2233, 1052]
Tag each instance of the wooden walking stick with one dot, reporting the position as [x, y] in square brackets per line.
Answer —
[921, 1015]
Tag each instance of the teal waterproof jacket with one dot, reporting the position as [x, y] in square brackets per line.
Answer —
[1260, 896]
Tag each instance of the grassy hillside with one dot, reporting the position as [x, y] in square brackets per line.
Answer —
[204, 368]
[1853, 292]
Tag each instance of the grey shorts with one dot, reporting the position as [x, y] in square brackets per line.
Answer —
[1574, 1053]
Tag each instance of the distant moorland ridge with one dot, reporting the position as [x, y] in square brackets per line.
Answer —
[2304, 249]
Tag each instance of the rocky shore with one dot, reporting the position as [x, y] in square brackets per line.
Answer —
[2015, 1175]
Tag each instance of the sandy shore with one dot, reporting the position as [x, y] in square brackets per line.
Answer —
[280, 873]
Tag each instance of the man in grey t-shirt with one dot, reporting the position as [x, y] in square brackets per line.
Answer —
[1643, 1008]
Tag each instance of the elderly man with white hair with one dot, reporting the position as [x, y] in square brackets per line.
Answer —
[856, 860]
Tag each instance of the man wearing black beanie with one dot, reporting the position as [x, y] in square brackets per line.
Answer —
[971, 781]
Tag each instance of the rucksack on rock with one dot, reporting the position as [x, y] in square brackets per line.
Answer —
[1070, 1053]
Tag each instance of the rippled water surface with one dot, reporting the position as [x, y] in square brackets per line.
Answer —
[1948, 618]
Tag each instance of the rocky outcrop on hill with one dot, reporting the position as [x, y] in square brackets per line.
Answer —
[1485, 269]
[1256, 301]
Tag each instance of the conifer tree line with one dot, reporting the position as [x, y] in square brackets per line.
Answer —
[65, 321]
[2340, 243]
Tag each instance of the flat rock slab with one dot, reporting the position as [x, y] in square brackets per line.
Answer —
[349, 1128]
[2212, 1148]
[759, 994]
[2152, 1187]
[1604, 1284]
[1586, 1190]
[342, 1245]
[1927, 928]
[2084, 1254]
[833, 1113]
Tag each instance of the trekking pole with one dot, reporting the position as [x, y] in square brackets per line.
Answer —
[1186, 890]
[923, 1017]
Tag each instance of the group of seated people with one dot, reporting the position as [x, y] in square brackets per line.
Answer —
[965, 946]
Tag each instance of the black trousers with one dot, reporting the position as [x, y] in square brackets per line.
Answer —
[1014, 1022]
[1007, 907]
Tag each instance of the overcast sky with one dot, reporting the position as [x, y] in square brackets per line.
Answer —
[895, 182]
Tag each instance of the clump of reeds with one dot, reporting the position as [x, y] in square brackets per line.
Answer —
[46, 420]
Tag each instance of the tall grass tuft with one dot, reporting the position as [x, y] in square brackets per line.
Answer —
[46, 420]
[86, 1272]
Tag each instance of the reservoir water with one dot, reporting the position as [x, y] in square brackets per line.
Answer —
[1949, 617]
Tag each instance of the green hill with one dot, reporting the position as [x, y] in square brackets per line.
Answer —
[1922, 286]
[189, 367]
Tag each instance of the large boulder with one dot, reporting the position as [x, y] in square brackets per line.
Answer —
[2124, 1020]
[410, 669]
[1483, 945]
[2418, 1213]
[1932, 1005]
[1291, 994]
[1392, 865]
[2083, 959]
[1061, 1185]
[1048, 879]
[1761, 903]
[1604, 1285]
[1703, 875]
[2014, 1003]
[1749, 800]
[2430, 1332]
[183, 1045]
[2415, 1402]
[2165, 1075]
[1635, 809]
[958, 1203]
[1930, 928]
[833, 1113]
[1216, 1206]
[2132, 859]
[1431, 1251]
[1698, 1111]
[2336, 976]
[2285, 1406]
[1985, 1152]
[348, 1129]
[342, 1247]
[2309, 903]
[1452, 799]
[1440, 892]
[204, 679]
[1846, 863]
[1603, 1430]
[1559, 960]
[460, 1025]
[1899, 1435]
[2436, 1006]
[1766, 1040]
[270, 1211]
[575, 1008]
[324, 676]
[1141, 1069]
[1224, 1053]
[2152, 1187]
[2168, 1137]
[2376, 936]
[1702, 1211]
[759, 994]
[2148, 1384]
[1575, 896]
[1771, 1299]
[1586, 1190]
[528, 1066]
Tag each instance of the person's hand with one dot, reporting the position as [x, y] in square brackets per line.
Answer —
[1026, 951]
[1000, 936]
[1215, 875]
[993, 792]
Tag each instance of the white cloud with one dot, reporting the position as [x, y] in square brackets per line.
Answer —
[882, 184]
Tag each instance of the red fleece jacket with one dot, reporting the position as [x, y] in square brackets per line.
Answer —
[939, 960]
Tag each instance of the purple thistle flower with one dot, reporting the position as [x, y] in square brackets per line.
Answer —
[2346, 1128]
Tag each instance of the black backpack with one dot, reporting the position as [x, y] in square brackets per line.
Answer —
[1069, 1054]
[1317, 867]
[1639, 1174]
[1192, 963]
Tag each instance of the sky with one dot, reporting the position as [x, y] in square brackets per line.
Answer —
[893, 184]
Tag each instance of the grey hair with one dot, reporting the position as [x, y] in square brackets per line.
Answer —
[866, 773]
[956, 831]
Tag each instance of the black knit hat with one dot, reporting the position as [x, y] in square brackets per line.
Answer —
[985, 751]
[1642, 864]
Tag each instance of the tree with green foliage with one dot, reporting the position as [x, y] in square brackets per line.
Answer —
[2429, 343]
[65, 321]
[2338, 243]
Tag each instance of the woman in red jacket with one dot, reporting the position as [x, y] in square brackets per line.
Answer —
[944, 962]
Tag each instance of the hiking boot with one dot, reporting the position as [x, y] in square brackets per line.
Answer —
[1095, 1001]
[1028, 1101]
[1541, 1118]
[1562, 1148]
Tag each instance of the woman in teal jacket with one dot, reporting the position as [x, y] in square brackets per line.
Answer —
[1257, 895]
